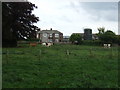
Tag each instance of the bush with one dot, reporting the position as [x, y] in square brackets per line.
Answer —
[108, 37]
[76, 39]
[34, 40]
[92, 42]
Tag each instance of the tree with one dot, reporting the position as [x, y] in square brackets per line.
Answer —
[101, 30]
[17, 22]
[76, 39]
[108, 37]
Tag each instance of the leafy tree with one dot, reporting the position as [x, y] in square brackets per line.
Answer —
[108, 37]
[101, 30]
[17, 22]
[76, 39]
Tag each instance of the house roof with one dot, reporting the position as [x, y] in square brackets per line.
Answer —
[49, 31]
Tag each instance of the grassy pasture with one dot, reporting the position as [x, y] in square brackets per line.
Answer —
[51, 67]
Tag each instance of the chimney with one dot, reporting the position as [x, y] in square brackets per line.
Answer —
[50, 28]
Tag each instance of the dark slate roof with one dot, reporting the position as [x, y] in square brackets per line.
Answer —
[49, 31]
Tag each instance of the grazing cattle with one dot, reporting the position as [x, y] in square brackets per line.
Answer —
[33, 44]
[49, 44]
[44, 44]
[107, 45]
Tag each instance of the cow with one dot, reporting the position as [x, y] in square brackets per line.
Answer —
[107, 45]
[49, 44]
[33, 44]
[44, 44]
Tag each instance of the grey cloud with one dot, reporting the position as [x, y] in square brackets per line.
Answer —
[99, 5]
[74, 6]
[65, 18]
[104, 10]
[98, 10]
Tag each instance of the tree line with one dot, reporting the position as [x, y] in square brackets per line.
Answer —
[107, 36]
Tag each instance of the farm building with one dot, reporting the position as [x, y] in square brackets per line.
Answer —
[88, 35]
[53, 36]
[95, 37]
[66, 39]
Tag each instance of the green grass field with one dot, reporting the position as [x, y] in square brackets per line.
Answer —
[51, 67]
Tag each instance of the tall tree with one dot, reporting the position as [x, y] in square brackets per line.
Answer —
[76, 38]
[108, 37]
[17, 22]
[101, 30]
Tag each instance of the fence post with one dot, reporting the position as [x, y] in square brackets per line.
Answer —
[7, 55]
[91, 52]
[111, 52]
[39, 54]
[67, 52]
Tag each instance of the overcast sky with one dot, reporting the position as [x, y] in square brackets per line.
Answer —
[72, 16]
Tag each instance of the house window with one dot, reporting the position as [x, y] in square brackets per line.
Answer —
[44, 34]
[56, 35]
[50, 35]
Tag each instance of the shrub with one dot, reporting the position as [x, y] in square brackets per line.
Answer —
[108, 37]
[34, 40]
[76, 38]
[92, 42]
